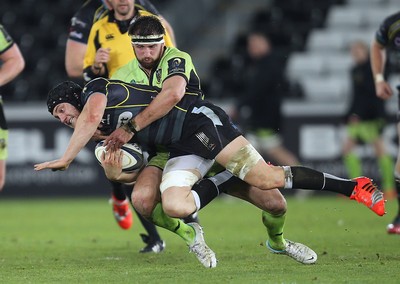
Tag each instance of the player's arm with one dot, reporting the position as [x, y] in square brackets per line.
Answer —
[95, 59]
[378, 60]
[85, 127]
[172, 91]
[74, 56]
[12, 64]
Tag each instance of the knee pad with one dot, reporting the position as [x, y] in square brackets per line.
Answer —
[178, 178]
[243, 161]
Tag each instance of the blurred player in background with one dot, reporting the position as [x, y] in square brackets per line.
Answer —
[11, 65]
[109, 46]
[76, 47]
[81, 23]
[365, 119]
[387, 39]
[264, 83]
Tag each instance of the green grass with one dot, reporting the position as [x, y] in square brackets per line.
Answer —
[77, 241]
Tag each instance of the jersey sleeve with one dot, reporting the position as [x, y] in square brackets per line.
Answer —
[177, 63]
[382, 35]
[6, 40]
[98, 85]
[80, 26]
[148, 6]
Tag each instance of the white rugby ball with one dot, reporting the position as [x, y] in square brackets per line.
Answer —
[132, 159]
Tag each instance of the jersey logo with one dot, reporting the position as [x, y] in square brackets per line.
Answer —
[110, 37]
[158, 75]
[205, 140]
[123, 118]
[176, 65]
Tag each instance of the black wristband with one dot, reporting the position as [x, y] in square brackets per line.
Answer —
[132, 126]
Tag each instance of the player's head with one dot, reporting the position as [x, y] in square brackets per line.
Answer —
[64, 103]
[147, 37]
[123, 9]
[258, 45]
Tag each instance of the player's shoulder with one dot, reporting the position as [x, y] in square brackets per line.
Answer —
[95, 85]
[6, 41]
[86, 12]
[174, 57]
[126, 71]
[5, 34]
[97, 25]
[391, 19]
[171, 52]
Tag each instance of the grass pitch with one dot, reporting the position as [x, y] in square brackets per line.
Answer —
[77, 241]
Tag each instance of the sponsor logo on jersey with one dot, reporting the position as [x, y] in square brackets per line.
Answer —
[75, 34]
[158, 75]
[76, 22]
[109, 37]
[205, 140]
[123, 118]
[176, 65]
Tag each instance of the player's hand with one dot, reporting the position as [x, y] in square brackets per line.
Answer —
[112, 163]
[98, 135]
[118, 138]
[56, 165]
[102, 56]
[383, 90]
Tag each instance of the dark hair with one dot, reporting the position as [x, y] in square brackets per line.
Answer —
[65, 92]
[145, 26]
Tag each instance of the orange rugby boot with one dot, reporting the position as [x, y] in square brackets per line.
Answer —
[367, 193]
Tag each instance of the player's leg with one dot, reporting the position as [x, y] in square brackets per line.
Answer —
[394, 226]
[120, 206]
[351, 160]
[3, 145]
[274, 208]
[153, 241]
[179, 200]
[146, 199]
[243, 161]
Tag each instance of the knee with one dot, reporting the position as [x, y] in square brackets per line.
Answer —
[177, 209]
[275, 206]
[142, 203]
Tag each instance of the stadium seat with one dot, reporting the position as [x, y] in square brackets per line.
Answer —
[364, 3]
[322, 40]
[304, 64]
[326, 88]
[344, 17]
[338, 63]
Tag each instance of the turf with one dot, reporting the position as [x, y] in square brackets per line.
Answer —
[77, 241]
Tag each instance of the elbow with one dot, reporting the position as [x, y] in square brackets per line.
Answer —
[175, 97]
[22, 65]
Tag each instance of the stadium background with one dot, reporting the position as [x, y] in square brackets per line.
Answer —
[313, 35]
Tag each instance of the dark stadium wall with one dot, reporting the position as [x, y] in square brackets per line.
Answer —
[37, 137]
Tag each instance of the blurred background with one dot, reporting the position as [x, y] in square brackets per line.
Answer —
[310, 37]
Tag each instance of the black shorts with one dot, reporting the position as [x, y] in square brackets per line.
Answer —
[206, 131]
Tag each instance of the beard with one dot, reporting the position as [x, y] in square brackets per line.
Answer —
[148, 63]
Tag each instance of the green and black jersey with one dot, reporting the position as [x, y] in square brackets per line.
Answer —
[6, 40]
[125, 101]
[173, 62]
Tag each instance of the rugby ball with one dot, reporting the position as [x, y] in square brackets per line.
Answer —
[132, 159]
